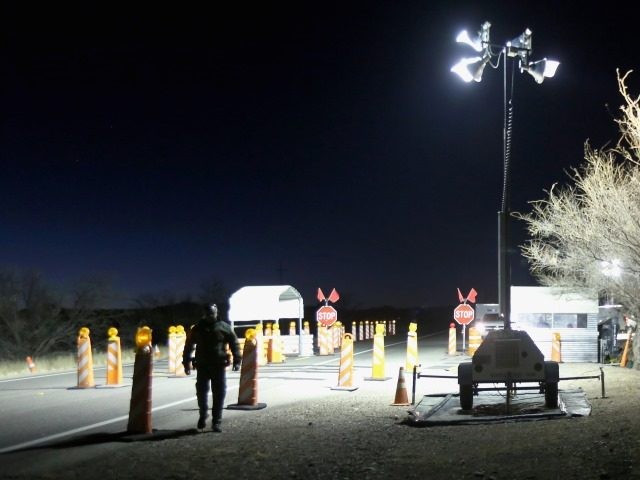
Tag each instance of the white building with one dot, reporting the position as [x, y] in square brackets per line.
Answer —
[545, 311]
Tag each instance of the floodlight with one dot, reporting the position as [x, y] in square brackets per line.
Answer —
[541, 69]
[480, 42]
[463, 37]
[521, 42]
[470, 68]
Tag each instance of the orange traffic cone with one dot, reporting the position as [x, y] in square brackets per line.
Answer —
[401, 391]
[140, 420]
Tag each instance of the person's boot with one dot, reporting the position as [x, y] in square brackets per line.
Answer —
[216, 426]
[202, 421]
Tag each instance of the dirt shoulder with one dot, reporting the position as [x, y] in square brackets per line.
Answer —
[359, 435]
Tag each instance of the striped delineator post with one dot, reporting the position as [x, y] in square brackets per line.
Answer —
[336, 330]
[306, 327]
[556, 348]
[624, 359]
[140, 404]
[412, 347]
[31, 365]
[377, 367]
[361, 330]
[393, 327]
[248, 386]
[114, 358]
[453, 342]
[171, 347]
[323, 347]
[328, 333]
[85, 360]
[292, 328]
[180, 338]
[345, 374]
[354, 331]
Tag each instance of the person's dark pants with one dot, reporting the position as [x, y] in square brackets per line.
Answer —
[214, 377]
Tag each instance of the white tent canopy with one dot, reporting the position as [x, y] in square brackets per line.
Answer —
[270, 302]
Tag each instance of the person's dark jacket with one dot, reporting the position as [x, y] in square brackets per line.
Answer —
[210, 337]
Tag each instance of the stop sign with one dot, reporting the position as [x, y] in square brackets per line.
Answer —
[326, 315]
[464, 314]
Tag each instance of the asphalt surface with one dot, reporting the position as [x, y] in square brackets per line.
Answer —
[41, 410]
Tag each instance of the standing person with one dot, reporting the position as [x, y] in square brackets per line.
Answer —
[211, 336]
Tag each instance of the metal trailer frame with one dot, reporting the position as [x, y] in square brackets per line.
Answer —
[510, 387]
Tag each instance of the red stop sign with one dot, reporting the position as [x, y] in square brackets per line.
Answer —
[326, 315]
[464, 314]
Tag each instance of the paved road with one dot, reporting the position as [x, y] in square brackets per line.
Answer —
[42, 409]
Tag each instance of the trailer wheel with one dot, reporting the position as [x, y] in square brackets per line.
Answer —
[466, 397]
[551, 394]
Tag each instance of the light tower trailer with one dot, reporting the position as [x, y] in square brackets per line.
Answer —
[510, 357]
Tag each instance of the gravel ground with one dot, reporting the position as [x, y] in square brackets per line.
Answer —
[358, 435]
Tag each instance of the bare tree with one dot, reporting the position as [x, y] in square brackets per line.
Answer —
[34, 316]
[587, 233]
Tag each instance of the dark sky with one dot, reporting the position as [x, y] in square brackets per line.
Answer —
[167, 146]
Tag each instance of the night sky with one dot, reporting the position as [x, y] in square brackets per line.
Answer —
[315, 144]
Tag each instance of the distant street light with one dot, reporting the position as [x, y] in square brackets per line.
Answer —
[471, 69]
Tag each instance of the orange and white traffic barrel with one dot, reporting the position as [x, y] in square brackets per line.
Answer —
[114, 358]
[85, 360]
[141, 397]
[248, 386]
[345, 373]
[412, 347]
[453, 342]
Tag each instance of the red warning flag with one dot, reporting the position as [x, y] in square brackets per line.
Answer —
[460, 296]
[320, 295]
[334, 296]
[472, 295]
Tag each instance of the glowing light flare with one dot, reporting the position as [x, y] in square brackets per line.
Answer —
[469, 69]
[143, 337]
[463, 37]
